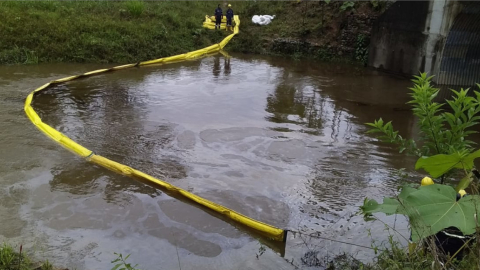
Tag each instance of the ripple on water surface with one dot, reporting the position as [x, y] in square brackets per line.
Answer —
[280, 141]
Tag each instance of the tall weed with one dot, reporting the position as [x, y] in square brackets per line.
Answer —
[135, 8]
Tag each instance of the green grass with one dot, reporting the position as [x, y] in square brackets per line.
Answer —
[131, 31]
[135, 8]
[10, 259]
[105, 31]
[393, 256]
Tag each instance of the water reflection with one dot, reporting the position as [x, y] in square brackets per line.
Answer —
[291, 105]
[334, 102]
[216, 66]
[90, 114]
[214, 137]
[227, 68]
[111, 119]
[337, 100]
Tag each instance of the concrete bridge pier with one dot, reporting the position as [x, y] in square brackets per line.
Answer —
[440, 37]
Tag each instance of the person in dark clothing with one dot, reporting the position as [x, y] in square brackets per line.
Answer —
[218, 17]
[229, 16]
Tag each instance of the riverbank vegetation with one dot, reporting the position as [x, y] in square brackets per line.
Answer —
[131, 31]
[17, 259]
[12, 259]
[442, 213]
[100, 31]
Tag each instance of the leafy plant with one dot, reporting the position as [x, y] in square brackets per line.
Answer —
[7, 257]
[438, 165]
[379, 4]
[12, 260]
[394, 256]
[441, 132]
[433, 208]
[374, 4]
[323, 54]
[121, 263]
[346, 5]
[443, 148]
[361, 49]
[430, 209]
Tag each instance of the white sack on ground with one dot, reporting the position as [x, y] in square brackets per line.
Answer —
[262, 19]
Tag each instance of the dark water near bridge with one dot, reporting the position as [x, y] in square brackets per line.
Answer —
[279, 140]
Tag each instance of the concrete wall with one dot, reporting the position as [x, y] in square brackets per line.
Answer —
[440, 26]
[397, 40]
[410, 36]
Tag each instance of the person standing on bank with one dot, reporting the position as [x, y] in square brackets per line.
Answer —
[229, 17]
[218, 17]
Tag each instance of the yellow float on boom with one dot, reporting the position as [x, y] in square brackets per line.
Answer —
[262, 228]
[210, 22]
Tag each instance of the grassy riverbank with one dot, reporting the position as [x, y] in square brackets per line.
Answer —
[11, 259]
[106, 31]
[130, 31]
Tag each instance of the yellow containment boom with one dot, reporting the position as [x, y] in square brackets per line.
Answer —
[264, 229]
[210, 22]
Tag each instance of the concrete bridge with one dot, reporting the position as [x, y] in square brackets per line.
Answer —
[441, 37]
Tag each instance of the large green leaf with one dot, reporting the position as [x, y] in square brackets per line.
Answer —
[435, 207]
[468, 160]
[389, 206]
[430, 209]
[438, 165]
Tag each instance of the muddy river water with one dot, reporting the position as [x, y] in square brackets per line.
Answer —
[279, 140]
